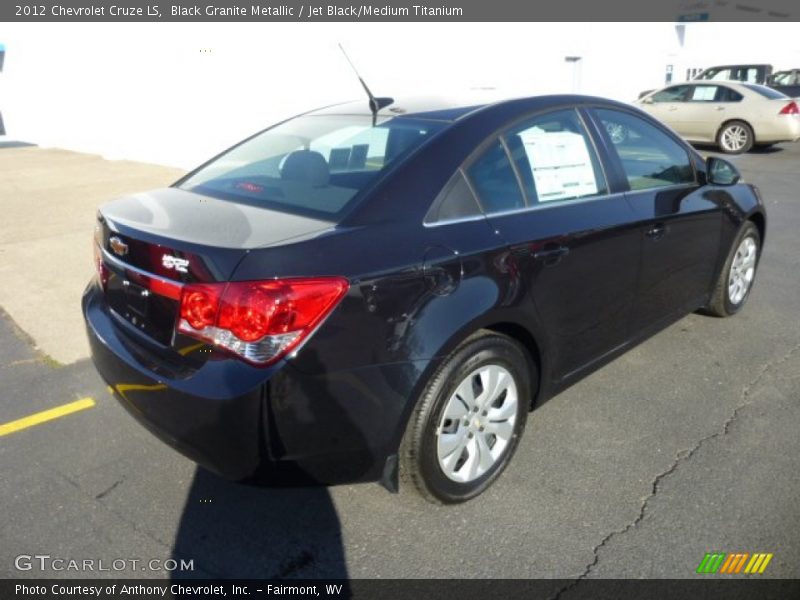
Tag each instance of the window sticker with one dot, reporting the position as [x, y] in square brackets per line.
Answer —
[704, 93]
[562, 167]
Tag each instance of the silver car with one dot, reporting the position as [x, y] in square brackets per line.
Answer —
[734, 116]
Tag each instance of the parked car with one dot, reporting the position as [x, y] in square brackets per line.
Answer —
[787, 82]
[734, 116]
[757, 73]
[348, 297]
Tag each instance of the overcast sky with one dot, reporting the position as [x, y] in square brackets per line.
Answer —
[176, 93]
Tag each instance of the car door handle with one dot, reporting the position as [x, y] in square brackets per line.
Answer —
[551, 255]
[719, 108]
[656, 232]
[673, 108]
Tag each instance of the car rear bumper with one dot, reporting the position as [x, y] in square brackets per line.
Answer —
[783, 129]
[274, 426]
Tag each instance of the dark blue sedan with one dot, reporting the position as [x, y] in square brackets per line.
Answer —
[369, 291]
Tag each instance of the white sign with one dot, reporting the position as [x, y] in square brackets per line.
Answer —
[562, 167]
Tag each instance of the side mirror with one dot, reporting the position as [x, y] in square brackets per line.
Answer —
[721, 172]
[647, 100]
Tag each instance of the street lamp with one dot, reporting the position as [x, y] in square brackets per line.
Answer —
[575, 61]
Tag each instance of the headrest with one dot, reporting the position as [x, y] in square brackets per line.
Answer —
[306, 166]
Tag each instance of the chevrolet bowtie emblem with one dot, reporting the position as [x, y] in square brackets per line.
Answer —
[119, 247]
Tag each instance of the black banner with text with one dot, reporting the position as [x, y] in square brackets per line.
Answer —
[708, 588]
[399, 10]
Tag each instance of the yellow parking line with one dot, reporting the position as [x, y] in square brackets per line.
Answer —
[190, 349]
[122, 388]
[46, 415]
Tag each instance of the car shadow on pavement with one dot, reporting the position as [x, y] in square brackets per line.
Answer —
[237, 531]
[766, 149]
[754, 150]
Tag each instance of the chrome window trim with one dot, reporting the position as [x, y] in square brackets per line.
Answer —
[532, 208]
[560, 204]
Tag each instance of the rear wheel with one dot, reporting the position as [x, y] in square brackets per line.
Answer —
[736, 279]
[466, 426]
[735, 137]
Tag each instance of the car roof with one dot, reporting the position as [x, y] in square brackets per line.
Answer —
[437, 108]
[737, 65]
[452, 109]
[745, 86]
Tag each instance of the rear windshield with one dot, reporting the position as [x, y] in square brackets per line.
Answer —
[311, 165]
[765, 91]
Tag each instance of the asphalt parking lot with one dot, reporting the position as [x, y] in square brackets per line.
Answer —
[686, 445]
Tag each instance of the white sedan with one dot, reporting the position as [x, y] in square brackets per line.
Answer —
[734, 116]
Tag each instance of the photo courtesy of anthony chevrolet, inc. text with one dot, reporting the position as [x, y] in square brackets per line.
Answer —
[400, 300]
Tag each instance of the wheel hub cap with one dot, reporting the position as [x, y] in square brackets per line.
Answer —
[743, 269]
[477, 423]
[734, 138]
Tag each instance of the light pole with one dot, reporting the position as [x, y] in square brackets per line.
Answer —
[576, 71]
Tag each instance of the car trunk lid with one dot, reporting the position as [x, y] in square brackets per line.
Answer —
[149, 245]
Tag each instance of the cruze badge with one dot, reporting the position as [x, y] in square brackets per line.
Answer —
[173, 262]
[119, 247]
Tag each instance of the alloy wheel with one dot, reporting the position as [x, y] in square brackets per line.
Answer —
[734, 138]
[743, 270]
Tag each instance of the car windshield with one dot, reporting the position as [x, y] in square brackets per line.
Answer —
[311, 165]
[782, 78]
[765, 91]
[750, 74]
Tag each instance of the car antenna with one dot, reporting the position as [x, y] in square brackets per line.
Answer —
[375, 104]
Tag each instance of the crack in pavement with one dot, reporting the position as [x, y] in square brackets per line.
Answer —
[680, 458]
[108, 490]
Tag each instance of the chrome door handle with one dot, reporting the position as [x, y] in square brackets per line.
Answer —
[551, 254]
[719, 108]
[656, 232]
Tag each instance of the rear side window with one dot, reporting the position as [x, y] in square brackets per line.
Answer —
[455, 202]
[650, 158]
[495, 181]
[555, 158]
[726, 94]
[786, 78]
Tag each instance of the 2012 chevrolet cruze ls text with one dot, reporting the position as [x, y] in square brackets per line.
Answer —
[363, 292]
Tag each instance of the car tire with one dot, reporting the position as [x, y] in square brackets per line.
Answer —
[738, 274]
[735, 137]
[478, 398]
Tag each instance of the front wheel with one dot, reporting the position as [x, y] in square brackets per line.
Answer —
[735, 137]
[737, 276]
[467, 424]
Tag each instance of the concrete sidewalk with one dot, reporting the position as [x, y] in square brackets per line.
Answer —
[48, 199]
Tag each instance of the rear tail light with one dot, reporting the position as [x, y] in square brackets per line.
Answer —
[259, 321]
[790, 109]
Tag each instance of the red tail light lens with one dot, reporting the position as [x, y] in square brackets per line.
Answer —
[790, 109]
[199, 304]
[260, 321]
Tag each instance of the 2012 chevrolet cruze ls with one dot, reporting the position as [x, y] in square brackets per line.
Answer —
[351, 296]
